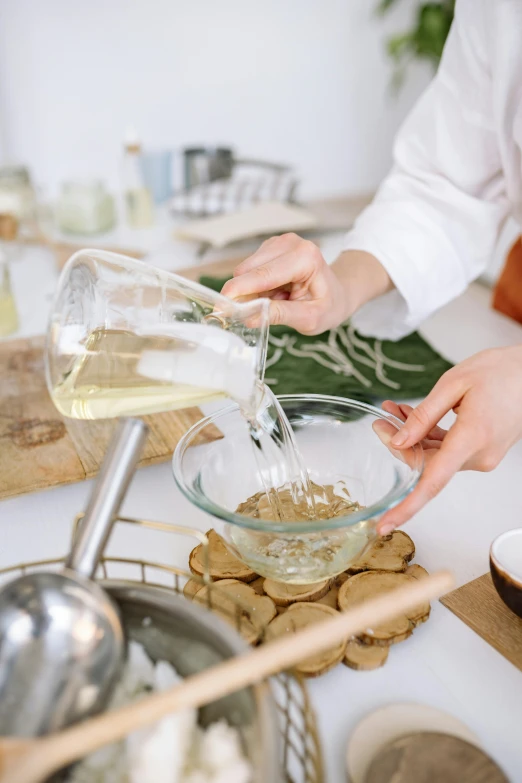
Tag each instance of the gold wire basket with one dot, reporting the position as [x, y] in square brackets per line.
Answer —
[301, 749]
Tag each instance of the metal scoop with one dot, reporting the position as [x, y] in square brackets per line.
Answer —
[61, 639]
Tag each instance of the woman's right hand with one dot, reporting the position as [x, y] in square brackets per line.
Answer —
[305, 292]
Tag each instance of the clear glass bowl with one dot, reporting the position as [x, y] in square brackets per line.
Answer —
[339, 440]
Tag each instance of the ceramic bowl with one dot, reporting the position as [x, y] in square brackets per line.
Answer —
[505, 561]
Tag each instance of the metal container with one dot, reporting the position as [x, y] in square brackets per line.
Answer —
[276, 719]
[207, 164]
[191, 638]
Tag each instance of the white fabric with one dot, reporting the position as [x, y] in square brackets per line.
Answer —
[457, 173]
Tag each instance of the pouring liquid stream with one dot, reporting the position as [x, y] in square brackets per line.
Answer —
[122, 373]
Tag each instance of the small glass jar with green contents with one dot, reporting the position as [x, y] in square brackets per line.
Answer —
[85, 208]
[17, 196]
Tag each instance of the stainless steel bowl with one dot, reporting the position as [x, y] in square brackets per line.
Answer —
[191, 638]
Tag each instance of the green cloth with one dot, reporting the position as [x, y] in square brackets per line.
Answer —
[344, 364]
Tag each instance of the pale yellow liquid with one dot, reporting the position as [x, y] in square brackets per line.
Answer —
[8, 314]
[104, 382]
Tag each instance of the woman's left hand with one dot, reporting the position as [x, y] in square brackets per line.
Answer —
[485, 392]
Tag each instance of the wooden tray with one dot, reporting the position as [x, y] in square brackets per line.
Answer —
[39, 448]
[478, 605]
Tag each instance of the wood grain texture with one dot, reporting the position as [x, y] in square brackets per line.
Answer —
[64, 250]
[479, 606]
[39, 448]
[213, 269]
[433, 758]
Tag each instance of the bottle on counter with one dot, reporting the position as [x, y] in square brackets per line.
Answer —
[137, 197]
[8, 311]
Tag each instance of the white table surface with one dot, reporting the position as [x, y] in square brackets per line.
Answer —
[444, 664]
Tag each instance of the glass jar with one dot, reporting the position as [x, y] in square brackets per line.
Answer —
[8, 312]
[17, 196]
[85, 208]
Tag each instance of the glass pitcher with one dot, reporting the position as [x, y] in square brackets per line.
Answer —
[126, 338]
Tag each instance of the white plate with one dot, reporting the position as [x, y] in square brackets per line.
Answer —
[388, 724]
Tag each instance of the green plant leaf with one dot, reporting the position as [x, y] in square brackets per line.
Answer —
[426, 39]
[400, 45]
[385, 5]
[433, 26]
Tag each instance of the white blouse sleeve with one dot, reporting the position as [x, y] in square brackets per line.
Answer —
[437, 216]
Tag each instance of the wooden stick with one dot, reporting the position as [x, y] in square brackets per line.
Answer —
[49, 754]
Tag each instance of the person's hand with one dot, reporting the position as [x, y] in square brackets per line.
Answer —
[485, 392]
[304, 291]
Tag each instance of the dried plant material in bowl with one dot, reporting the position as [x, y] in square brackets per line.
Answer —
[285, 594]
[259, 506]
[299, 616]
[391, 553]
[369, 584]
[364, 657]
[240, 605]
[221, 564]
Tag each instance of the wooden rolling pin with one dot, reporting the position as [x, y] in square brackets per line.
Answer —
[33, 761]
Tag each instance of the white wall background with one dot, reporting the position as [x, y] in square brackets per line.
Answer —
[300, 81]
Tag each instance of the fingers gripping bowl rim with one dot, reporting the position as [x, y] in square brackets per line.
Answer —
[346, 410]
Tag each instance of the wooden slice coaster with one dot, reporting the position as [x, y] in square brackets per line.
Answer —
[364, 657]
[257, 585]
[381, 727]
[284, 595]
[299, 616]
[229, 596]
[267, 602]
[433, 758]
[417, 571]
[391, 553]
[190, 588]
[222, 564]
[369, 584]
[330, 598]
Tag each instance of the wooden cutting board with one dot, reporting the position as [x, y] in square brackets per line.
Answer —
[218, 269]
[39, 448]
[479, 606]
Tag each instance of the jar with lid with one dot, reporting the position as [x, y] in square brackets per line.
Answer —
[17, 196]
[85, 208]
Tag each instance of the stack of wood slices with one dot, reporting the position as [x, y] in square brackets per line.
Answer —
[263, 609]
